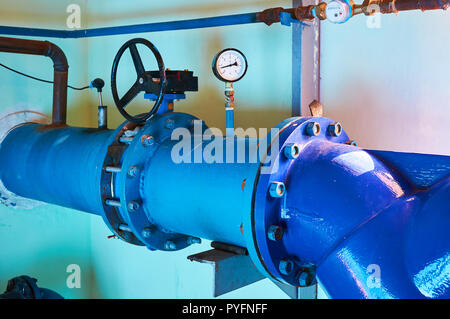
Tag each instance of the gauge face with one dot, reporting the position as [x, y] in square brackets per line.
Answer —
[229, 65]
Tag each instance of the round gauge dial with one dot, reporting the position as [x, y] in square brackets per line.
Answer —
[229, 65]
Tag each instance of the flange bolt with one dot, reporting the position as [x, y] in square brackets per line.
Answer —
[291, 151]
[351, 143]
[169, 124]
[133, 205]
[147, 140]
[275, 232]
[170, 245]
[286, 266]
[133, 171]
[276, 189]
[147, 232]
[306, 279]
[313, 128]
[335, 129]
[194, 240]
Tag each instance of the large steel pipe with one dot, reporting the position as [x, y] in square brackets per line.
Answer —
[318, 208]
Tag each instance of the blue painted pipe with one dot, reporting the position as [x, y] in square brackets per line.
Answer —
[61, 165]
[235, 19]
[354, 219]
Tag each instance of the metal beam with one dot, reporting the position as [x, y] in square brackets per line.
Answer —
[305, 62]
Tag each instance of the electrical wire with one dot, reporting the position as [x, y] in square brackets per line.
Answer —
[42, 80]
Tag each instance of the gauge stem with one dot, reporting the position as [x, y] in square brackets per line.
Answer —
[229, 108]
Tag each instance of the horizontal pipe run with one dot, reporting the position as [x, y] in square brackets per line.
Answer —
[210, 22]
[268, 16]
[369, 7]
[60, 70]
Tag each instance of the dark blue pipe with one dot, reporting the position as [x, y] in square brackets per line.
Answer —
[210, 22]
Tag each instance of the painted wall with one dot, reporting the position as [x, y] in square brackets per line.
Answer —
[389, 86]
[42, 242]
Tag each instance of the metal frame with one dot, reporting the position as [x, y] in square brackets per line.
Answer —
[305, 62]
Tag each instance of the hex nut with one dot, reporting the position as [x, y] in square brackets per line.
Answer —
[169, 124]
[147, 140]
[133, 206]
[313, 129]
[147, 232]
[335, 129]
[306, 279]
[351, 143]
[133, 171]
[277, 189]
[275, 232]
[286, 267]
[291, 151]
[170, 245]
[194, 240]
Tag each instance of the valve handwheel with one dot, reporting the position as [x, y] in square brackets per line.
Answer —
[144, 82]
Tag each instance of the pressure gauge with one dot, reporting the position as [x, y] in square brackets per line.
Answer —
[229, 65]
[338, 11]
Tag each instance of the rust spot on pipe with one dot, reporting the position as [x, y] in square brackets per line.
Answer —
[243, 184]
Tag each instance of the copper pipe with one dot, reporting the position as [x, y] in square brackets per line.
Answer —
[60, 70]
[393, 6]
[369, 7]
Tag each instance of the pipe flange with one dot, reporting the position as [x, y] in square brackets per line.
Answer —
[7, 124]
[136, 146]
[269, 210]
[151, 137]
[111, 204]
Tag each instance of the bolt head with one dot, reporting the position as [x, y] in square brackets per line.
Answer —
[351, 142]
[133, 171]
[147, 140]
[286, 267]
[194, 240]
[335, 129]
[170, 245]
[170, 124]
[275, 232]
[141, 80]
[277, 189]
[313, 129]
[147, 232]
[306, 279]
[133, 205]
[291, 151]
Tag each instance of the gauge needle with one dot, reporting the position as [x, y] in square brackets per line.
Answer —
[227, 66]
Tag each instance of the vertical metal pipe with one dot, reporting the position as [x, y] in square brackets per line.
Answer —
[60, 67]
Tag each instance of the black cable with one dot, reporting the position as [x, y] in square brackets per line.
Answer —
[42, 80]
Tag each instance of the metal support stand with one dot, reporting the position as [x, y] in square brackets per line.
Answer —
[299, 292]
[232, 269]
